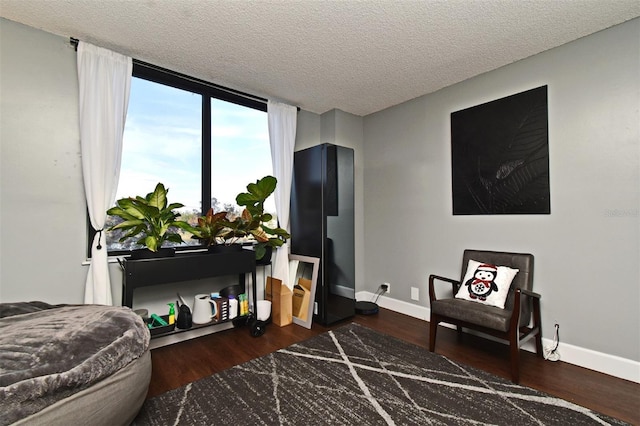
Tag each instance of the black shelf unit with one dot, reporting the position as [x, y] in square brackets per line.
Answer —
[186, 267]
[322, 225]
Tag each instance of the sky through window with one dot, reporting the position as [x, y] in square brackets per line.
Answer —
[162, 143]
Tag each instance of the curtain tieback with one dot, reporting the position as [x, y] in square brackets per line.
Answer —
[99, 247]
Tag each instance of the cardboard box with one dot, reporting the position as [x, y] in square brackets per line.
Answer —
[281, 302]
[301, 298]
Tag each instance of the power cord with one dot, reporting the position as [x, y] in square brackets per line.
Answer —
[551, 353]
[381, 290]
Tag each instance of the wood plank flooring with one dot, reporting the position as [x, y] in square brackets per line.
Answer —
[181, 363]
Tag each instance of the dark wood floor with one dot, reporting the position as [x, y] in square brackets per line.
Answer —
[179, 364]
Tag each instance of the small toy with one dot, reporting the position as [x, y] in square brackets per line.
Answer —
[157, 319]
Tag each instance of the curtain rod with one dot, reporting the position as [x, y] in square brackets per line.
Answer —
[74, 42]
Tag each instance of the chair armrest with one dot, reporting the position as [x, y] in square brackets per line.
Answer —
[455, 284]
[515, 315]
[530, 293]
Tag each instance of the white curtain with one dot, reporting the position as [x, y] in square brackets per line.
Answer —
[104, 81]
[282, 136]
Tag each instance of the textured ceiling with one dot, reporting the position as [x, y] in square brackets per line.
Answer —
[357, 56]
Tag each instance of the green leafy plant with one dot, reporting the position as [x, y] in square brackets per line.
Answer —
[213, 228]
[150, 219]
[219, 228]
[254, 220]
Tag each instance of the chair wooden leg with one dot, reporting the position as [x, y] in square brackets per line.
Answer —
[539, 344]
[433, 329]
[537, 322]
[514, 346]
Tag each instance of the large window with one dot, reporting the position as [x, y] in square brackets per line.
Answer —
[203, 142]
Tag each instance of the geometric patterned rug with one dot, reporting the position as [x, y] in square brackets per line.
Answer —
[356, 376]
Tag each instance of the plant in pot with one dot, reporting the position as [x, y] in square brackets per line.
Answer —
[151, 220]
[255, 221]
[214, 231]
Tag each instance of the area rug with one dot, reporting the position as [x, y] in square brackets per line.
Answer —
[356, 376]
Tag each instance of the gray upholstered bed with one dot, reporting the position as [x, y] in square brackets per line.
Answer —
[71, 364]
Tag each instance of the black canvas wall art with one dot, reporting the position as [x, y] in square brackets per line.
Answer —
[500, 156]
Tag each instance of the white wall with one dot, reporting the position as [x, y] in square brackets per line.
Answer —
[307, 130]
[42, 206]
[586, 251]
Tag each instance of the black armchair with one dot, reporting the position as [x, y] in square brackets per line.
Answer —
[511, 323]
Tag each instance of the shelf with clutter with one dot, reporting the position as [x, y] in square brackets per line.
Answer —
[212, 310]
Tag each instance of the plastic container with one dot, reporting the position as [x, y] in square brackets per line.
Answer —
[161, 329]
[172, 314]
[233, 307]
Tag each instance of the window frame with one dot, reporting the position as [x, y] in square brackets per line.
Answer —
[207, 91]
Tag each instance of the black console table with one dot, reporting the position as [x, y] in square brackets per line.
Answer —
[186, 267]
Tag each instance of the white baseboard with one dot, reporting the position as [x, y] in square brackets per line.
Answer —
[608, 364]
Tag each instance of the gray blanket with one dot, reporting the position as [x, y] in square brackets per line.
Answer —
[48, 352]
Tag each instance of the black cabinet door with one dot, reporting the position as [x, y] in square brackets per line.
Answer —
[306, 215]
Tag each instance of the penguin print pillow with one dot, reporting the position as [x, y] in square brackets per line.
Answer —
[486, 283]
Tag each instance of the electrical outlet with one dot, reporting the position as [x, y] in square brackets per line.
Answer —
[415, 293]
[388, 287]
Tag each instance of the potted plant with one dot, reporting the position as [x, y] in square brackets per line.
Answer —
[151, 220]
[254, 221]
[213, 230]
[218, 230]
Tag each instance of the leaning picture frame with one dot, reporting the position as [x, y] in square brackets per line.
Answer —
[304, 276]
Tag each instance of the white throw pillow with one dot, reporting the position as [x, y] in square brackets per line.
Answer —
[486, 283]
